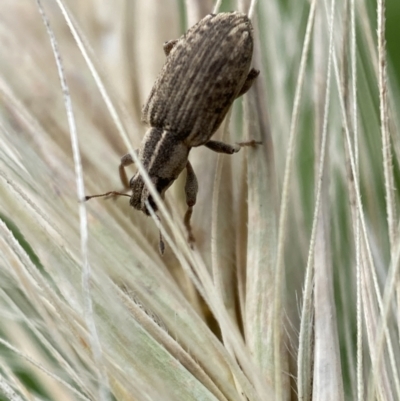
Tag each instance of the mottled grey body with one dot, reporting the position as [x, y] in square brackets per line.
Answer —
[205, 71]
[202, 76]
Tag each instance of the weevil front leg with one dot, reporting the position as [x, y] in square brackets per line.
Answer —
[251, 76]
[126, 160]
[191, 188]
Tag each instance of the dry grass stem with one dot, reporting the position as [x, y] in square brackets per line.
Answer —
[290, 290]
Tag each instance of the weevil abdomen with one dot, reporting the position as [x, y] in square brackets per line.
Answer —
[203, 74]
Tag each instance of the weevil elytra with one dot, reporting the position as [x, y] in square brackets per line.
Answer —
[205, 71]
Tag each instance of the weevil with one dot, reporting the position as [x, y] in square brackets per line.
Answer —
[206, 69]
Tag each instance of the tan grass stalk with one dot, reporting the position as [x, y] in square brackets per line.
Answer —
[49, 373]
[279, 271]
[293, 279]
[252, 8]
[383, 329]
[197, 9]
[359, 206]
[8, 391]
[262, 201]
[86, 270]
[222, 225]
[327, 362]
[359, 308]
[384, 119]
[217, 6]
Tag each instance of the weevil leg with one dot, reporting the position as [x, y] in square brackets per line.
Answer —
[168, 45]
[191, 188]
[222, 147]
[252, 143]
[251, 76]
[126, 160]
[161, 244]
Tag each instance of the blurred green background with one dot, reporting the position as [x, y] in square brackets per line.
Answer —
[393, 34]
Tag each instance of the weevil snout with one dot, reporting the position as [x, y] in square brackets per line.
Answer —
[141, 197]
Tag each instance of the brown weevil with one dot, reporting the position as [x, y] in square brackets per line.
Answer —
[205, 71]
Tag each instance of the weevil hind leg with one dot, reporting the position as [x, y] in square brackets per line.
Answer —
[251, 76]
[251, 143]
[222, 147]
[191, 188]
[168, 46]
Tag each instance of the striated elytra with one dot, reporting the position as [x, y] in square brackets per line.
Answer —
[203, 74]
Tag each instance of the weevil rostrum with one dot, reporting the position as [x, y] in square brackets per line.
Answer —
[205, 71]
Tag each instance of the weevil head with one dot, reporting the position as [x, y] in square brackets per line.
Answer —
[141, 195]
[164, 155]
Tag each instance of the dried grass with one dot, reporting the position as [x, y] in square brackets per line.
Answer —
[292, 289]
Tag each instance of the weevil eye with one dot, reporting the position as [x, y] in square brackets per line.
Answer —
[152, 204]
[163, 184]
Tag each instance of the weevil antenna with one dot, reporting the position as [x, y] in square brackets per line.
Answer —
[111, 193]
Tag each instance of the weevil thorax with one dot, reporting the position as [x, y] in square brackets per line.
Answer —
[164, 156]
